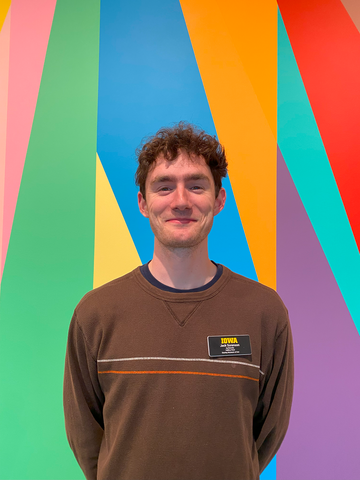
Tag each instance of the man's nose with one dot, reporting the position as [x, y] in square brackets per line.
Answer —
[181, 199]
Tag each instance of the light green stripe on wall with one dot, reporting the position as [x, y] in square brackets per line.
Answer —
[302, 148]
[50, 257]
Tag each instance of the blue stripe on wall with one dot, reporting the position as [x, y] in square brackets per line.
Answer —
[148, 78]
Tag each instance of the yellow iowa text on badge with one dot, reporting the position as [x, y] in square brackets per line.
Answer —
[229, 340]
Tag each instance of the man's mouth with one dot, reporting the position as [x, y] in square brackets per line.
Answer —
[180, 221]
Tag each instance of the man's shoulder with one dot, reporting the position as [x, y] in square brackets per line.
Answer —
[108, 294]
[253, 286]
[255, 296]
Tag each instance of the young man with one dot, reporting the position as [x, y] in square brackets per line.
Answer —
[182, 369]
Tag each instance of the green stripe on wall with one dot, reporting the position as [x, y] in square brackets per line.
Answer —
[302, 148]
[49, 264]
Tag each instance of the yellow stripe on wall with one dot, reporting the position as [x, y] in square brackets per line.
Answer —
[235, 44]
[4, 7]
[115, 252]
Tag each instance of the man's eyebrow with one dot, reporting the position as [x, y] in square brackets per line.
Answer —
[170, 178]
[161, 179]
[197, 176]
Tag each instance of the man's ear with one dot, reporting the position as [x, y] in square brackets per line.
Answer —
[142, 205]
[220, 201]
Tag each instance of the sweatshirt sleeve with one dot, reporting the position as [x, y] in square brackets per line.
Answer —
[83, 401]
[272, 415]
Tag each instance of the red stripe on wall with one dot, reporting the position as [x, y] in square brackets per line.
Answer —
[326, 46]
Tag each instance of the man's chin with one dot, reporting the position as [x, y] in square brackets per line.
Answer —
[180, 243]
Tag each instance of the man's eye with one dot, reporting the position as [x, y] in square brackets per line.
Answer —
[164, 189]
[196, 187]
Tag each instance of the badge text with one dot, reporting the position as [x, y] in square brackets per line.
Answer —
[229, 340]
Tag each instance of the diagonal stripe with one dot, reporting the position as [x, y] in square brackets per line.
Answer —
[49, 265]
[4, 82]
[4, 8]
[30, 30]
[306, 159]
[160, 372]
[234, 43]
[326, 46]
[327, 352]
[115, 253]
[142, 87]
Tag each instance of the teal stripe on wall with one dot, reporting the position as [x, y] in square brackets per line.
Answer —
[305, 156]
[49, 264]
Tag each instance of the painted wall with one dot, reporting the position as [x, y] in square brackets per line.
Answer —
[81, 83]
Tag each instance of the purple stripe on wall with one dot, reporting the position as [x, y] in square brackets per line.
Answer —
[322, 441]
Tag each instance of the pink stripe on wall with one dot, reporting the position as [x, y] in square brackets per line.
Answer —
[30, 29]
[4, 81]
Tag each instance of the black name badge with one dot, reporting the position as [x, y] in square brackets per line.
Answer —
[229, 346]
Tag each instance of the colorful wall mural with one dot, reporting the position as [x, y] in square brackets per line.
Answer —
[81, 83]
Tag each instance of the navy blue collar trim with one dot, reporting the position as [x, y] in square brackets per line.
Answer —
[144, 269]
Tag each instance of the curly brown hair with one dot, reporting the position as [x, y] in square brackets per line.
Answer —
[182, 136]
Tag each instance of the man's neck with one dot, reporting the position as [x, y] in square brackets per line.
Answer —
[184, 268]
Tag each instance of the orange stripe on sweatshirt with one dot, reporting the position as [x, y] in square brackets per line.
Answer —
[125, 372]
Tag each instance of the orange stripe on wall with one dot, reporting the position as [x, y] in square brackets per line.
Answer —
[159, 372]
[235, 44]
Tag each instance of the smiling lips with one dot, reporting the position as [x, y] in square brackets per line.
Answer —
[181, 221]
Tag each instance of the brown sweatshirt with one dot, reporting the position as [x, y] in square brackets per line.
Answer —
[144, 400]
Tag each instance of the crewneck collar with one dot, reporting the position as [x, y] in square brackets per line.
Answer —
[145, 271]
[176, 295]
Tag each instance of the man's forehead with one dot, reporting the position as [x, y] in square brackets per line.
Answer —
[183, 159]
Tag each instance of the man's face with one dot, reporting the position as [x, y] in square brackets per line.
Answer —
[180, 200]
